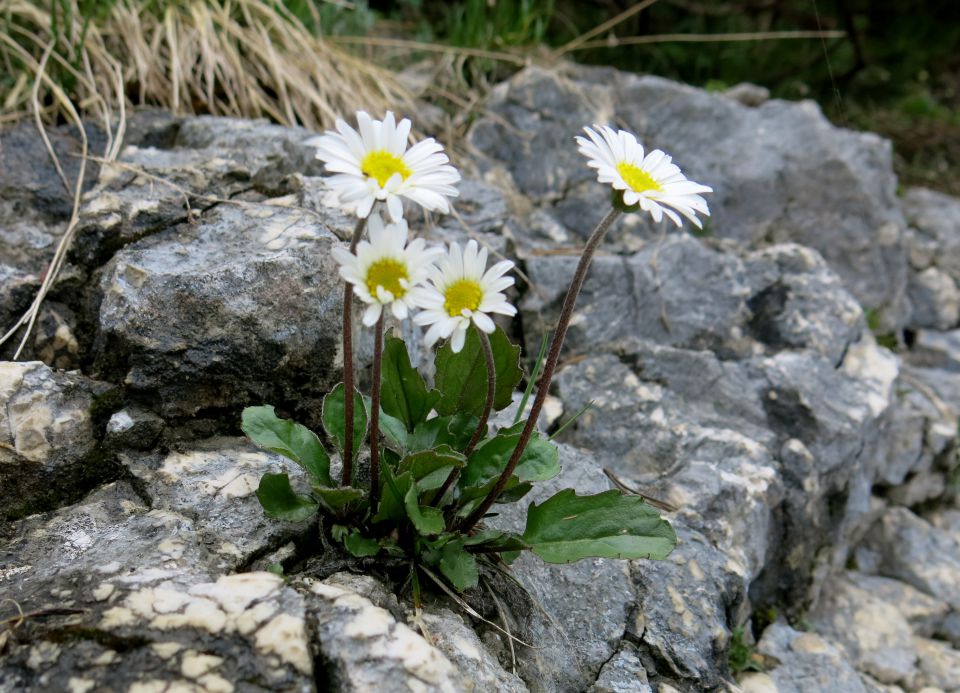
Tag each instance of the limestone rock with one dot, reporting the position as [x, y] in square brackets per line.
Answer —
[214, 482]
[805, 663]
[50, 428]
[924, 613]
[934, 298]
[241, 307]
[918, 553]
[146, 603]
[780, 171]
[873, 633]
[939, 664]
[580, 610]
[624, 673]
[365, 648]
[936, 220]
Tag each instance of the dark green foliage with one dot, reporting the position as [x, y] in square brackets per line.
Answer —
[420, 456]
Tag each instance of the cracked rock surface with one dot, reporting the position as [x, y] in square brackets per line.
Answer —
[734, 375]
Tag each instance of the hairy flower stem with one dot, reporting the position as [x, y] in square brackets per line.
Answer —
[553, 356]
[347, 475]
[482, 424]
[375, 416]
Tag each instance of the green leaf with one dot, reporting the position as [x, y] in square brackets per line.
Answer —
[495, 540]
[427, 520]
[279, 500]
[567, 527]
[454, 431]
[393, 491]
[462, 377]
[430, 468]
[514, 493]
[459, 566]
[360, 546]
[333, 419]
[403, 394]
[471, 496]
[340, 499]
[289, 439]
[540, 460]
[394, 432]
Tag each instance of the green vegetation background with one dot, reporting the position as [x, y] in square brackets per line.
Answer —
[896, 72]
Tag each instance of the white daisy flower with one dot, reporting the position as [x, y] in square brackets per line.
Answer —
[375, 164]
[460, 292]
[385, 270]
[653, 181]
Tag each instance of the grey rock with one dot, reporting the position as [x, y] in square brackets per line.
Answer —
[936, 349]
[780, 171]
[179, 167]
[50, 426]
[214, 483]
[787, 433]
[28, 179]
[806, 663]
[939, 664]
[934, 298]
[657, 293]
[682, 292]
[798, 302]
[240, 307]
[624, 673]
[460, 643]
[914, 551]
[133, 427]
[936, 219]
[152, 605]
[873, 633]
[748, 94]
[921, 430]
[681, 618]
[924, 613]
[365, 648]
[580, 610]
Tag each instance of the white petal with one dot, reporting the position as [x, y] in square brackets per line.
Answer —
[372, 314]
[483, 322]
[459, 336]
[395, 208]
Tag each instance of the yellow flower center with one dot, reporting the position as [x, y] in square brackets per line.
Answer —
[387, 273]
[462, 294]
[381, 165]
[638, 179]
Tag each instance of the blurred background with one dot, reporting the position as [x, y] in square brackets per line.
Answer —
[881, 65]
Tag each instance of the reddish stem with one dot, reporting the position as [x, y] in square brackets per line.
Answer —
[347, 475]
[550, 366]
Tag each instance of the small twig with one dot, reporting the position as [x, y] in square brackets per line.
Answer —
[35, 101]
[469, 609]
[583, 39]
[656, 503]
[428, 48]
[506, 625]
[615, 42]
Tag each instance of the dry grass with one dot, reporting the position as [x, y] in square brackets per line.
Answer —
[248, 58]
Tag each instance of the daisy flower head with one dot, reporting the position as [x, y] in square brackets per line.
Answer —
[375, 164]
[386, 270]
[652, 182]
[462, 291]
